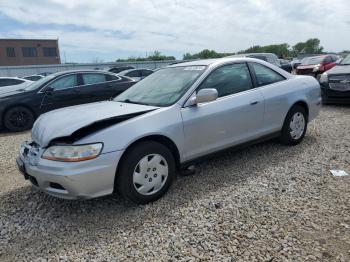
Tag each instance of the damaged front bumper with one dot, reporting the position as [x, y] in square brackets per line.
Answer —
[69, 180]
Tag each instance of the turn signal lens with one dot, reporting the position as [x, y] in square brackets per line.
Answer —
[71, 153]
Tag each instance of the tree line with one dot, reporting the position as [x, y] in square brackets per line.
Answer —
[310, 46]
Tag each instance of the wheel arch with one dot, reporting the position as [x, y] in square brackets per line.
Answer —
[17, 105]
[162, 139]
[303, 104]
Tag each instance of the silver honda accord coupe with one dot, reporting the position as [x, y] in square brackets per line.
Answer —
[135, 143]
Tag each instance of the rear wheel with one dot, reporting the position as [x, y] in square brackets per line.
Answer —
[294, 127]
[146, 172]
[18, 118]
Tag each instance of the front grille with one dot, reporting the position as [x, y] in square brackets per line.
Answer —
[338, 78]
[339, 82]
[340, 86]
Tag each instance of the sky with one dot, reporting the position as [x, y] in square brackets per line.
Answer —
[104, 30]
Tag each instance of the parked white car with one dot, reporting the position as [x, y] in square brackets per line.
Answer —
[14, 82]
[135, 143]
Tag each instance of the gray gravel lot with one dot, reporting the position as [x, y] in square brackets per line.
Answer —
[265, 203]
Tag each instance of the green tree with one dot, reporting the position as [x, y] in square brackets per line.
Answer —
[205, 54]
[155, 56]
[311, 46]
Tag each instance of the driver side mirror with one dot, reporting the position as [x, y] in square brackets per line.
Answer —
[48, 89]
[203, 96]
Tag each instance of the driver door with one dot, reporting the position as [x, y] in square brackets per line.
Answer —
[63, 93]
[235, 117]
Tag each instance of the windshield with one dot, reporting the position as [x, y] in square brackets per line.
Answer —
[312, 60]
[162, 88]
[38, 83]
[346, 61]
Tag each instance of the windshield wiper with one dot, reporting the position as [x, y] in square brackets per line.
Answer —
[133, 102]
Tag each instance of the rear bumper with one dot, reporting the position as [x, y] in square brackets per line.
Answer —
[86, 179]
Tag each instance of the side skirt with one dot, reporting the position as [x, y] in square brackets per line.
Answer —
[230, 149]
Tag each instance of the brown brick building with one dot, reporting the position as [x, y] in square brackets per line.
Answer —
[29, 52]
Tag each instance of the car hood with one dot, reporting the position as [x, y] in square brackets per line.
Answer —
[72, 123]
[340, 69]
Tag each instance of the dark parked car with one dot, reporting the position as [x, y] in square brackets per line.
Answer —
[335, 83]
[119, 69]
[20, 107]
[286, 65]
[316, 65]
[268, 57]
[136, 74]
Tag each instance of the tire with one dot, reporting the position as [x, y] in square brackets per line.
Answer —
[18, 118]
[293, 134]
[144, 184]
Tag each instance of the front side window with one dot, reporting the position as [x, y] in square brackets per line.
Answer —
[50, 51]
[90, 79]
[10, 51]
[64, 82]
[162, 88]
[229, 79]
[29, 52]
[265, 75]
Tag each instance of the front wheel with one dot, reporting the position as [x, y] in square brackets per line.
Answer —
[294, 127]
[146, 172]
[18, 118]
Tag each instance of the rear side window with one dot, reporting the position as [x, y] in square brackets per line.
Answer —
[265, 75]
[90, 79]
[64, 82]
[229, 79]
[10, 82]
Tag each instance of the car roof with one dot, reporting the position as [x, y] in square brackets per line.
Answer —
[80, 71]
[248, 54]
[11, 77]
[214, 61]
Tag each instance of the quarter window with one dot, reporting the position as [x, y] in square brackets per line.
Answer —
[265, 75]
[29, 51]
[229, 79]
[90, 79]
[64, 82]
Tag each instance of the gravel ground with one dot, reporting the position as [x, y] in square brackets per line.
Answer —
[264, 203]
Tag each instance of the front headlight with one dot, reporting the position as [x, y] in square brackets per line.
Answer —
[316, 68]
[324, 78]
[70, 153]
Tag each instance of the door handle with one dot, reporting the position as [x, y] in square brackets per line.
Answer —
[254, 102]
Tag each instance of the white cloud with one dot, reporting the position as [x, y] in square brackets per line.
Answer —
[183, 26]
